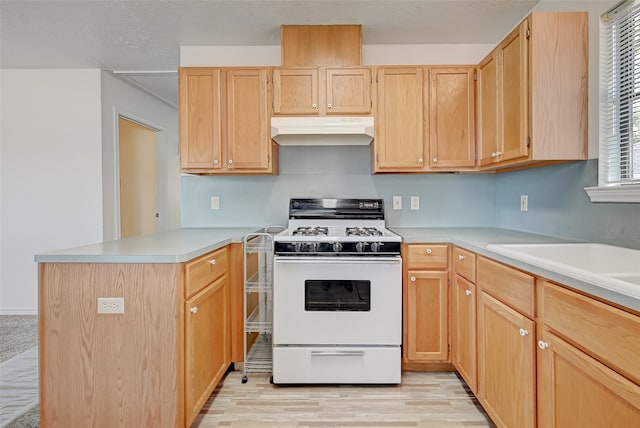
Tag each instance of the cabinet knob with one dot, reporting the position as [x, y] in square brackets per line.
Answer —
[212, 261]
[230, 161]
[542, 344]
[429, 251]
[194, 310]
[435, 160]
[413, 279]
[494, 154]
[420, 160]
[329, 105]
[467, 292]
[523, 332]
[461, 257]
[215, 161]
[314, 106]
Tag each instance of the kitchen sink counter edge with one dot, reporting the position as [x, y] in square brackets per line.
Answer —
[477, 239]
[174, 246]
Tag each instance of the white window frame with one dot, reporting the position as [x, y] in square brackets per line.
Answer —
[611, 186]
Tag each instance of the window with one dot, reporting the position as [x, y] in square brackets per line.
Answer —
[619, 162]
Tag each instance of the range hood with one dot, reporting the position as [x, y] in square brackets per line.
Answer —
[322, 130]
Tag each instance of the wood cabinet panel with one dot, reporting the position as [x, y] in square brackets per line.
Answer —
[207, 350]
[505, 283]
[463, 330]
[296, 91]
[506, 364]
[348, 91]
[204, 270]
[488, 114]
[399, 143]
[247, 132]
[607, 333]
[317, 45]
[200, 113]
[427, 316]
[452, 117]
[464, 263]
[575, 390]
[427, 256]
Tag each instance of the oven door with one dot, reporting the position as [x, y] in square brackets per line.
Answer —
[337, 301]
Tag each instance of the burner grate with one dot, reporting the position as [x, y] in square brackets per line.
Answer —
[311, 231]
[363, 231]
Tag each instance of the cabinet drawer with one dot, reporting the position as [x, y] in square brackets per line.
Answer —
[507, 284]
[204, 270]
[608, 334]
[464, 263]
[427, 256]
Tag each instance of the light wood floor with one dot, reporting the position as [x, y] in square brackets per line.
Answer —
[434, 400]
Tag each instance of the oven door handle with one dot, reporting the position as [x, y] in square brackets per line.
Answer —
[337, 353]
[334, 260]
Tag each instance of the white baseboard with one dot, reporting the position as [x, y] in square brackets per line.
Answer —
[26, 311]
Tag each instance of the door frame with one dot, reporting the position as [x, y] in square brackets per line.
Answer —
[161, 143]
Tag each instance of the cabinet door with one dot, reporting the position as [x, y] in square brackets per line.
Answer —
[207, 351]
[452, 117]
[399, 143]
[200, 108]
[514, 100]
[295, 91]
[426, 316]
[575, 390]
[488, 114]
[247, 136]
[463, 330]
[506, 364]
[348, 91]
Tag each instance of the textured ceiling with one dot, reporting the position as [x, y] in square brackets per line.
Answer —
[146, 34]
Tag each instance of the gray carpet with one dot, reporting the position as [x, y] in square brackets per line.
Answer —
[18, 334]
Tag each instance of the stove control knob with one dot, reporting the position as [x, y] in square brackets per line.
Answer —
[313, 247]
[337, 247]
[297, 247]
[360, 246]
[375, 246]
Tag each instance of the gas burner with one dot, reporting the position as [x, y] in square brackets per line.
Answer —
[363, 231]
[311, 231]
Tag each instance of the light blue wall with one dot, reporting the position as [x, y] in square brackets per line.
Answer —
[559, 206]
[445, 199]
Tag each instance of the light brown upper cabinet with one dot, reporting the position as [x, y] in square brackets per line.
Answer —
[322, 91]
[224, 121]
[399, 145]
[451, 117]
[532, 93]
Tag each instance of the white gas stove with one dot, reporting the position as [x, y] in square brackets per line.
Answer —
[337, 302]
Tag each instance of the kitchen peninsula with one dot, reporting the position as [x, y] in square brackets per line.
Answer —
[156, 363]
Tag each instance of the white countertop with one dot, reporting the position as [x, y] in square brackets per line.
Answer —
[181, 245]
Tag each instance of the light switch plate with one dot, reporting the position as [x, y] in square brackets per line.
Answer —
[397, 202]
[415, 203]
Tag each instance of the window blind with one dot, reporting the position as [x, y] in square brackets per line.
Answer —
[620, 86]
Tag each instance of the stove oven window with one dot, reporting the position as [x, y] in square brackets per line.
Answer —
[337, 295]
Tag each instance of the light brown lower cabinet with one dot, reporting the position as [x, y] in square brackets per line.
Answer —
[463, 331]
[506, 364]
[207, 344]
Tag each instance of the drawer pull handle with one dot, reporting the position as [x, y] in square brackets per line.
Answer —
[542, 344]
[212, 261]
[413, 279]
[461, 257]
[194, 310]
[337, 353]
[523, 332]
[429, 251]
[467, 292]
[314, 106]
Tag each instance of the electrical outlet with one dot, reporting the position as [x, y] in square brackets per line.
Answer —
[415, 203]
[397, 202]
[215, 202]
[111, 305]
[524, 203]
